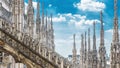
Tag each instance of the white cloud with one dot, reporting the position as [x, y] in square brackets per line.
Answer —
[90, 5]
[60, 18]
[75, 19]
[35, 5]
[50, 5]
[109, 31]
[26, 7]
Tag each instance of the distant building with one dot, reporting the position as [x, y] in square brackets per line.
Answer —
[70, 57]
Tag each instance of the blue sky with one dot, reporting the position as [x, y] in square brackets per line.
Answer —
[75, 17]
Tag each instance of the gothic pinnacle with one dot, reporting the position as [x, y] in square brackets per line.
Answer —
[74, 49]
[46, 21]
[82, 50]
[115, 30]
[43, 15]
[94, 37]
[85, 43]
[30, 18]
[38, 11]
[82, 40]
[38, 18]
[102, 30]
[51, 23]
[74, 42]
[89, 39]
[115, 8]
[30, 3]
[82, 44]
[101, 16]
[102, 51]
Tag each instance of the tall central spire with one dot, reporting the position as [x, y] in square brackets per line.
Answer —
[115, 30]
